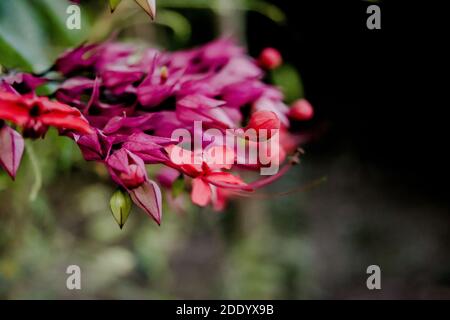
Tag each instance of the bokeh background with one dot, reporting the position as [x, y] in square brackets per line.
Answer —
[382, 197]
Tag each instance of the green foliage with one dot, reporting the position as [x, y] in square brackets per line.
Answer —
[288, 79]
[31, 30]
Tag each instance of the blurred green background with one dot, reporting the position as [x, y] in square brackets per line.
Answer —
[312, 244]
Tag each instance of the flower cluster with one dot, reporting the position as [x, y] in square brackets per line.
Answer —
[121, 104]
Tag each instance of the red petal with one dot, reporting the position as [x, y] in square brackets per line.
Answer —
[13, 112]
[11, 150]
[148, 198]
[220, 199]
[65, 121]
[201, 192]
[47, 105]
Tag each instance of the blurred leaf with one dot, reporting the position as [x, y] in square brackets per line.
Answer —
[268, 10]
[263, 7]
[31, 30]
[11, 58]
[180, 26]
[288, 79]
[20, 28]
[54, 15]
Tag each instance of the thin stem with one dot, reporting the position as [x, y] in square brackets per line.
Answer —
[37, 185]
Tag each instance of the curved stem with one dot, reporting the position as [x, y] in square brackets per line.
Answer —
[36, 187]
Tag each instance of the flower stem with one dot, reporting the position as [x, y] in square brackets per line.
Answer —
[36, 187]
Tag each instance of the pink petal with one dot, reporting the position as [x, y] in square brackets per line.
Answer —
[201, 192]
[220, 198]
[227, 180]
[148, 198]
[11, 150]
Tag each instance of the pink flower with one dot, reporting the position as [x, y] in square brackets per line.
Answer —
[207, 175]
[121, 105]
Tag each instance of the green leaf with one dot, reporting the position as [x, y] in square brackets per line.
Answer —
[288, 79]
[33, 33]
[11, 58]
[178, 23]
[269, 10]
[20, 28]
[120, 204]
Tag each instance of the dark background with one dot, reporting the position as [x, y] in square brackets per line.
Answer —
[378, 88]
[379, 95]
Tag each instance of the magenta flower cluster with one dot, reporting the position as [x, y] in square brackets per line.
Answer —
[133, 98]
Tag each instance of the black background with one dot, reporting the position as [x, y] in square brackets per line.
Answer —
[378, 90]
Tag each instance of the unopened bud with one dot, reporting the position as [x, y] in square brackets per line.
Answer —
[270, 59]
[120, 204]
[264, 120]
[301, 110]
[134, 177]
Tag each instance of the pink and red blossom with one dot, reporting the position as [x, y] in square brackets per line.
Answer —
[121, 104]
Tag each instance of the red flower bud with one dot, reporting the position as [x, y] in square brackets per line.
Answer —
[264, 120]
[301, 110]
[270, 59]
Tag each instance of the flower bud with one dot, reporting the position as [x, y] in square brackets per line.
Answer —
[120, 204]
[11, 149]
[270, 59]
[264, 120]
[301, 110]
[134, 177]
